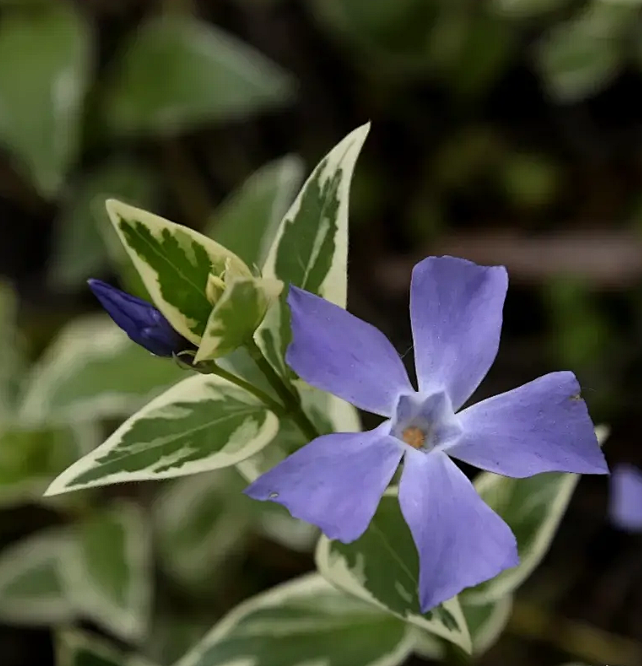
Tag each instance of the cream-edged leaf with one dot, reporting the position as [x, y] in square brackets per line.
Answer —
[202, 423]
[106, 570]
[310, 249]
[75, 648]
[175, 263]
[31, 590]
[382, 567]
[303, 622]
[93, 370]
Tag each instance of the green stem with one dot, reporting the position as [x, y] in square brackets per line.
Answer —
[289, 397]
[211, 368]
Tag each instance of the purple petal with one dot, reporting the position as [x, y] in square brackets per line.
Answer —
[542, 426]
[338, 353]
[335, 482]
[460, 540]
[625, 502]
[456, 312]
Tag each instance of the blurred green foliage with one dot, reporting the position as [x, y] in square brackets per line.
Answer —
[486, 116]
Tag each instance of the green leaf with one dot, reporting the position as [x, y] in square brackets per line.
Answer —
[207, 75]
[202, 522]
[31, 591]
[107, 573]
[202, 423]
[80, 248]
[580, 57]
[522, 9]
[44, 60]
[382, 567]
[310, 249]
[10, 360]
[304, 621]
[74, 648]
[247, 220]
[30, 458]
[93, 370]
[175, 264]
[236, 316]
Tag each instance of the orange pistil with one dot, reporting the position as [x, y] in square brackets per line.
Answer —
[414, 436]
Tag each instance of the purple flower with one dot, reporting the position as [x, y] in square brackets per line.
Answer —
[625, 501]
[142, 322]
[337, 480]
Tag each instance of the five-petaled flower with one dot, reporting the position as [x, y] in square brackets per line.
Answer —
[142, 322]
[337, 480]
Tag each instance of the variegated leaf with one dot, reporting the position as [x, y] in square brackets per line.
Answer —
[74, 648]
[93, 370]
[382, 567]
[175, 264]
[248, 219]
[31, 591]
[202, 423]
[310, 249]
[236, 316]
[303, 622]
[106, 570]
[201, 522]
[533, 508]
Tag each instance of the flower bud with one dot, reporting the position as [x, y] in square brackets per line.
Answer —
[142, 322]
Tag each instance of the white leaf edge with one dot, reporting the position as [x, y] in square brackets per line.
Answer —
[129, 623]
[306, 585]
[196, 388]
[70, 641]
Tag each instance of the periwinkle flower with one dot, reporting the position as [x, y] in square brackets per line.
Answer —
[142, 322]
[625, 499]
[337, 480]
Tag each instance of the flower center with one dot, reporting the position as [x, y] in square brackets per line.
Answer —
[414, 436]
[425, 422]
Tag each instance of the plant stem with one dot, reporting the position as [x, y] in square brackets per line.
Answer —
[212, 368]
[289, 397]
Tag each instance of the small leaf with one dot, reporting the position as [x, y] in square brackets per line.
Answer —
[80, 249]
[207, 75]
[382, 567]
[31, 591]
[247, 220]
[236, 316]
[175, 264]
[310, 249]
[304, 621]
[107, 573]
[92, 370]
[580, 57]
[44, 62]
[201, 522]
[202, 423]
[74, 648]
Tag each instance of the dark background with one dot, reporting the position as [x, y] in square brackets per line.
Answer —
[506, 132]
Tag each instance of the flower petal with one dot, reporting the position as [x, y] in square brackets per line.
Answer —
[542, 426]
[625, 501]
[339, 353]
[335, 482]
[456, 313]
[461, 541]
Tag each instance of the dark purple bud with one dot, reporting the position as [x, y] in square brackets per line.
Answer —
[142, 322]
